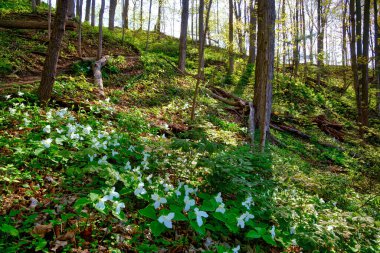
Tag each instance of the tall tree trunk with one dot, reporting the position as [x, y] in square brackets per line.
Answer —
[344, 44]
[377, 52]
[93, 13]
[283, 26]
[71, 10]
[141, 14]
[88, 10]
[304, 35]
[296, 58]
[112, 10]
[34, 6]
[264, 66]
[183, 36]
[320, 36]
[147, 36]
[125, 14]
[231, 38]
[252, 31]
[50, 66]
[192, 20]
[100, 46]
[364, 80]
[49, 19]
[157, 27]
[200, 57]
[354, 64]
[237, 4]
[80, 4]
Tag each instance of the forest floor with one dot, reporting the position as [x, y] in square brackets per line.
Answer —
[81, 175]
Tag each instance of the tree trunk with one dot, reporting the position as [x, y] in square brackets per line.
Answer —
[192, 20]
[365, 60]
[377, 53]
[200, 57]
[88, 10]
[354, 65]
[231, 38]
[100, 46]
[252, 32]
[111, 19]
[93, 2]
[71, 10]
[283, 26]
[320, 36]
[80, 3]
[183, 36]
[51, 61]
[147, 36]
[296, 59]
[344, 44]
[34, 6]
[125, 14]
[141, 14]
[49, 19]
[237, 4]
[264, 66]
[157, 27]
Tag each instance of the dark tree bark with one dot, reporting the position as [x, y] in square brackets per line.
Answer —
[147, 36]
[238, 13]
[344, 43]
[296, 57]
[252, 31]
[125, 14]
[71, 10]
[354, 65]
[141, 14]
[264, 66]
[34, 6]
[112, 10]
[93, 2]
[50, 66]
[183, 36]
[100, 46]
[231, 38]
[157, 27]
[80, 4]
[365, 61]
[283, 26]
[304, 34]
[88, 10]
[49, 19]
[77, 8]
[377, 53]
[320, 54]
[192, 20]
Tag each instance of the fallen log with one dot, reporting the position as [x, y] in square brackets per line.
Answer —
[333, 129]
[29, 24]
[97, 68]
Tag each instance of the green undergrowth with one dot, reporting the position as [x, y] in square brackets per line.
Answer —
[133, 173]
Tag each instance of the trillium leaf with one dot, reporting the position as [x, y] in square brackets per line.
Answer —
[253, 234]
[39, 151]
[157, 228]
[200, 230]
[80, 203]
[149, 212]
[9, 229]
[269, 239]
[179, 216]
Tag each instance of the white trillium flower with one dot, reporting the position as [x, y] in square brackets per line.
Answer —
[12, 111]
[149, 178]
[128, 166]
[245, 217]
[221, 208]
[103, 160]
[47, 129]
[248, 203]
[119, 205]
[158, 200]
[49, 115]
[7, 97]
[59, 130]
[113, 194]
[61, 113]
[87, 129]
[92, 157]
[101, 204]
[114, 152]
[294, 242]
[218, 198]
[189, 190]
[188, 203]
[199, 215]
[292, 230]
[273, 231]
[26, 121]
[236, 249]
[166, 220]
[132, 148]
[168, 187]
[47, 142]
[140, 189]
[20, 93]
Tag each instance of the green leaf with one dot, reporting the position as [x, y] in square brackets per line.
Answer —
[80, 203]
[149, 212]
[41, 245]
[200, 230]
[209, 205]
[179, 216]
[219, 216]
[269, 240]
[9, 229]
[39, 151]
[157, 228]
[253, 234]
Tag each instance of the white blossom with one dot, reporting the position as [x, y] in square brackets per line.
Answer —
[128, 166]
[292, 230]
[92, 157]
[12, 111]
[47, 142]
[236, 249]
[119, 205]
[7, 97]
[113, 194]
[199, 215]
[167, 220]
[248, 202]
[188, 203]
[61, 113]
[114, 152]
[140, 189]
[158, 200]
[273, 231]
[221, 208]
[218, 198]
[20, 93]
[103, 160]
[47, 129]
[87, 129]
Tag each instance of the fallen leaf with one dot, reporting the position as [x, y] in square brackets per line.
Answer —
[42, 229]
